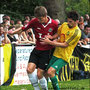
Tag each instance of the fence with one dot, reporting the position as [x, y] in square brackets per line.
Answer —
[14, 60]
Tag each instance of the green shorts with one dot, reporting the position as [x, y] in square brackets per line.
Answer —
[56, 63]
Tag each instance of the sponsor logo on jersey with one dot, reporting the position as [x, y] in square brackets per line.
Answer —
[56, 66]
[68, 33]
[50, 30]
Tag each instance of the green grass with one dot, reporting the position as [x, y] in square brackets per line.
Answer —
[64, 85]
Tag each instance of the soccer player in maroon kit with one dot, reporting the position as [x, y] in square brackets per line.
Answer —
[43, 25]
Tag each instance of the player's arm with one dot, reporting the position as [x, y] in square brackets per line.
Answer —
[55, 43]
[55, 36]
[52, 37]
[24, 28]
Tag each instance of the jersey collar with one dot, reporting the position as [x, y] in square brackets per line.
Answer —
[48, 22]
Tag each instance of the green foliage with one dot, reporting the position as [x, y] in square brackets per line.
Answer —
[81, 6]
[17, 9]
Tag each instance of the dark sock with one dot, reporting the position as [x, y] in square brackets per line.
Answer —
[55, 83]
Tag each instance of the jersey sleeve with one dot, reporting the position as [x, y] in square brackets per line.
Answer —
[30, 25]
[74, 37]
[55, 26]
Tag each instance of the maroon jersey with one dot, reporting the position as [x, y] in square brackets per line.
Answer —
[50, 28]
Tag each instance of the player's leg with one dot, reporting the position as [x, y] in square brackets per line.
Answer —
[51, 72]
[31, 69]
[32, 74]
[53, 78]
[42, 79]
[42, 65]
[55, 65]
[47, 77]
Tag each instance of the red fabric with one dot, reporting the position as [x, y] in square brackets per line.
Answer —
[42, 30]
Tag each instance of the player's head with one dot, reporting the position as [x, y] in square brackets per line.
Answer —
[40, 12]
[72, 18]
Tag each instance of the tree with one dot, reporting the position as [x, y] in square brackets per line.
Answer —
[17, 9]
[56, 9]
[81, 6]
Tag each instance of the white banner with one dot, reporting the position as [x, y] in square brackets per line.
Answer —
[22, 58]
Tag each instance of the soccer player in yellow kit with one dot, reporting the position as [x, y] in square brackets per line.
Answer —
[67, 36]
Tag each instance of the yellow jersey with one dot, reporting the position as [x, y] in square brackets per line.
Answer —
[69, 35]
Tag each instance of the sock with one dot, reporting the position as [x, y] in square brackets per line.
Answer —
[43, 83]
[55, 83]
[34, 80]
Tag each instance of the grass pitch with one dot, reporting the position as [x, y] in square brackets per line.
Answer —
[64, 85]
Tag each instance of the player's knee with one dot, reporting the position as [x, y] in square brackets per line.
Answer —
[29, 70]
[50, 72]
[39, 75]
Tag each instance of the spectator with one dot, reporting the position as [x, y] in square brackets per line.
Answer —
[85, 38]
[27, 18]
[81, 20]
[87, 31]
[81, 23]
[6, 18]
[11, 22]
[3, 36]
[18, 24]
[13, 38]
[87, 20]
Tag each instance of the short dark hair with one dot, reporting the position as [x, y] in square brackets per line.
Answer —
[40, 11]
[73, 15]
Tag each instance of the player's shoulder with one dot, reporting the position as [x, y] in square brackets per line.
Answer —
[34, 20]
[78, 29]
[54, 23]
[65, 23]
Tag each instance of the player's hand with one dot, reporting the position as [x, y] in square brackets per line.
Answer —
[43, 43]
[45, 40]
[48, 36]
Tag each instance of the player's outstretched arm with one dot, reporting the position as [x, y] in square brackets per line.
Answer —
[17, 31]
